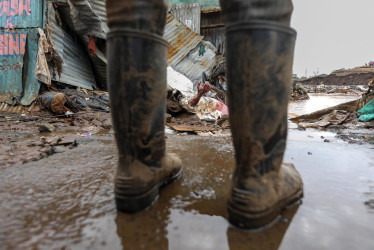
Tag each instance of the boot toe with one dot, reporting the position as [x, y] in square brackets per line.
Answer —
[263, 198]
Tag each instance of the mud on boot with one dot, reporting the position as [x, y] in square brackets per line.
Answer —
[137, 185]
[136, 53]
[260, 46]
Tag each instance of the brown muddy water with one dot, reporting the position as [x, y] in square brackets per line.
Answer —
[66, 201]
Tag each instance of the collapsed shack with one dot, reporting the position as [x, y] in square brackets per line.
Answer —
[67, 45]
[344, 113]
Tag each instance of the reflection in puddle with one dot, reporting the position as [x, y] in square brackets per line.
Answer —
[317, 102]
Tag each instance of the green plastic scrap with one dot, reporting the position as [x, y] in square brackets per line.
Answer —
[202, 50]
[367, 112]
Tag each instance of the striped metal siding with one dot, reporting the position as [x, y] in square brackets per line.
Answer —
[76, 68]
[205, 4]
[215, 35]
[181, 40]
[188, 14]
[21, 13]
[85, 17]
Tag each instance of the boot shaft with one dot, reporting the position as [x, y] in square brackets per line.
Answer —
[137, 87]
[259, 59]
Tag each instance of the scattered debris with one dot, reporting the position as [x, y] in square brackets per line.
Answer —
[46, 128]
[298, 92]
[54, 102]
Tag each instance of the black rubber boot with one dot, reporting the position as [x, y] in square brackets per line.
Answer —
[260, 49]
[137, 87]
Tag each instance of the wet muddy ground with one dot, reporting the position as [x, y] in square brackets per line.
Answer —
[66, 201]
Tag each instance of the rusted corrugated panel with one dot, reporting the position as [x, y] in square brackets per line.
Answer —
[181, 40]
[196, 62]
[189, 14]
[18, 50]
[76, 67]
[21, 13]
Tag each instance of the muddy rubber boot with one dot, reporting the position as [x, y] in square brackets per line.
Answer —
[136, 55]
[260, 48]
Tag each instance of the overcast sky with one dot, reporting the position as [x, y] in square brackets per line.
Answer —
[332, 34]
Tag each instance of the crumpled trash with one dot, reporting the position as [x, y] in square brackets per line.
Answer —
[54, 102]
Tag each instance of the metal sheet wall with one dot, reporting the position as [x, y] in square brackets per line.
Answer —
[21, 13]
[18, 52]
[181, 40]
[205, 4]
[213, 30]
[188, 14]
[76, 67]
[19, 20]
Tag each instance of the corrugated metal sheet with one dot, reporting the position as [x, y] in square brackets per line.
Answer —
[194, 64]
[215, 35]
[85, 17]
[18, 50]
[21, 13]
[205, 4]
[189, 14]
[76, 68]
[98, 7]
[181, 40]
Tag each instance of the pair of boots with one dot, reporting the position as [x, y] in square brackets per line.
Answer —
[260, 48]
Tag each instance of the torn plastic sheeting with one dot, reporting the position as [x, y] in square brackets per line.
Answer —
[367, 112]
[179, 82]
[42, 69]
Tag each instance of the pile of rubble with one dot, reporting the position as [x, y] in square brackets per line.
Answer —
[360, 110]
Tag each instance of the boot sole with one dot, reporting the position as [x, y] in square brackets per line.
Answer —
[137, 203]
[249, 220]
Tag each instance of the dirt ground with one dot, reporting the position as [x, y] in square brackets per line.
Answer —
[355, 76]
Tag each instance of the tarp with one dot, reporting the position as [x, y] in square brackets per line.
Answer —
[367, 112]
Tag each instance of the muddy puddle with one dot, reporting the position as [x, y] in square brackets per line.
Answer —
[66, 201]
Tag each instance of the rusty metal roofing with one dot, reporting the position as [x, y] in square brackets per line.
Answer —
[21, 13]
[181, 40]
[188, 13]
[76, 67]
